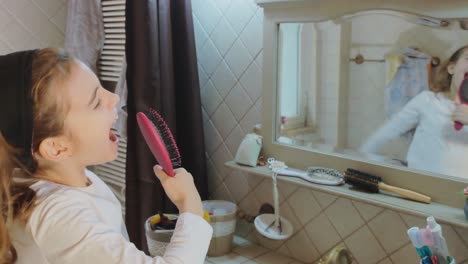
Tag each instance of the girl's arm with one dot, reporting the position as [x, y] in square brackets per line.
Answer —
[69, 232]
[404, 121]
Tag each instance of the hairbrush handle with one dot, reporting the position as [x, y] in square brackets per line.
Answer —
[405, 193]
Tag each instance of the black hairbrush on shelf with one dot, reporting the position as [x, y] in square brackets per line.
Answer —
[374, 183]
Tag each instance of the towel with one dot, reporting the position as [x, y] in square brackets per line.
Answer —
[410, 79]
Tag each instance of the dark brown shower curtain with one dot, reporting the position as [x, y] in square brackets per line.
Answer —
[162, 73]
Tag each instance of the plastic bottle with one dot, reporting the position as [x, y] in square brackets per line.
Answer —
[440, 249]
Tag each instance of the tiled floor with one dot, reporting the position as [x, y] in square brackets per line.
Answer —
[246, 252]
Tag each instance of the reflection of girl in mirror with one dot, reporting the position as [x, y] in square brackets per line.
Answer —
[436, 145]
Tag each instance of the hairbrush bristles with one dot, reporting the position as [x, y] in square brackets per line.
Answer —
[370, 176]
[166, 135]
[362, 181]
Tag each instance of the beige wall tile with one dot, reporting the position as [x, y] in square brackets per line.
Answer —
[364, 246]
[344, 217]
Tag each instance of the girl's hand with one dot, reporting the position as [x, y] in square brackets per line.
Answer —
[460, 114]
[181, 190]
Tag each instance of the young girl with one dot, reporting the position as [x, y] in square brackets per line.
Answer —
[55, 120]
[436, 145]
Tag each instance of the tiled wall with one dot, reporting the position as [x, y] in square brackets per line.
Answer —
[229, 42]
[29, 24]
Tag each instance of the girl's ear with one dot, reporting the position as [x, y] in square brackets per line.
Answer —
[55, 149]
[451, 68]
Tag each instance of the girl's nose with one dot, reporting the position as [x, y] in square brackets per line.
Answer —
[114, 100]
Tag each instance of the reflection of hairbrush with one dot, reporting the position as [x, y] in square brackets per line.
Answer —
[160, 140]
[463, 95]
[374, 183]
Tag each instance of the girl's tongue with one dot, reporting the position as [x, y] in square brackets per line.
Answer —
[112, 136]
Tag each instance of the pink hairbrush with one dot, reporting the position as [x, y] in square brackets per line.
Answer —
[160, 140]
[463, 95]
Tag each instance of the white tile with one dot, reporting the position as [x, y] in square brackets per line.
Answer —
[390, 230]
[302, 248]
[238, 58]
[223, 36]
[250, 205]
[304, 205]
[213, 178]
[5, 18]
[407, 254]
[254, 180]
[223, 120]
[259, 59]
[239, 14]
[48, 7]
[207, 14]
[287, 212]
[239, 102]
[284, 250]
[250, 119]
[344, 217]
[231, 258]
[16, 7]
[210, 98]
[455, 244]
[265, 242]
[250, 250]
[240, 241]
[252, 5]
[234, 139]
[209, 58]
[367, 211]
[60, 18]
[259, 14]
[223, 193]
[16, 36]
[463, 233]
[243, 228]
[200, 34]
[4, 48]
[202, 77]
[222, 5]
[272, 258]
[252, 81]
[252, 36]
[212, 138]
[324, 199]
[287, 189]
[259, 104]
[205, 116]
[237, 185]
[264, 192]
[221, 156]
[223, 79]
[412, 220]
[322, 233]
[365, 247]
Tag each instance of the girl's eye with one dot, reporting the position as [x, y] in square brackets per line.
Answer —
[98, 103]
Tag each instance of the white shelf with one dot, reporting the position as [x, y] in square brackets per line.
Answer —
[451, 215]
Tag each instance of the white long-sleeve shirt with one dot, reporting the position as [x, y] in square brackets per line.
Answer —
[436, 145]
[85, 225]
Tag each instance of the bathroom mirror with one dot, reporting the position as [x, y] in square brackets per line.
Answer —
[339, 81]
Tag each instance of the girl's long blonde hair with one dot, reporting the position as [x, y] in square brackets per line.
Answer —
[49, 68]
